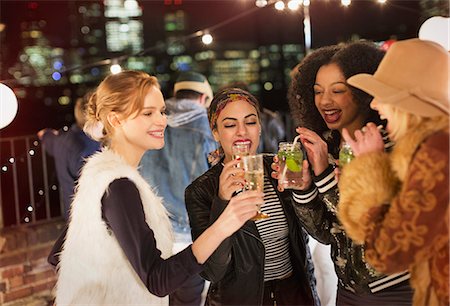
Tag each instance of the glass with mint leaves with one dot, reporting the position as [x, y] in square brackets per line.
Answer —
[345, 155]
[290, 157]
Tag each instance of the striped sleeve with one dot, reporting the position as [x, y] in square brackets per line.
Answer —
[326, 180]
[305, 196]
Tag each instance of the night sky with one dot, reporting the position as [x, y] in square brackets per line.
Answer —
[331, 23]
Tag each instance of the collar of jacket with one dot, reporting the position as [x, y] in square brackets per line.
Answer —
[405, 148]
[181, 112]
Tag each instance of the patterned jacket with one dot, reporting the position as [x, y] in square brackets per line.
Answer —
[317, 210]
[405, 220]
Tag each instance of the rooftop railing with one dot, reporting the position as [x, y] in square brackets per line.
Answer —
[29, 190]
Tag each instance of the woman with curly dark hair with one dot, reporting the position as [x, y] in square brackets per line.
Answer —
[322, 104]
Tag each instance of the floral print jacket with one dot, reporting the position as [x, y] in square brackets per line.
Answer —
[404, 222]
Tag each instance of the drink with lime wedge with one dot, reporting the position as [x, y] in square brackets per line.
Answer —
[291, 163]
[345, 155]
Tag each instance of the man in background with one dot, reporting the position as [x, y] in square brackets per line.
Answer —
[69, 149]
[188, 140]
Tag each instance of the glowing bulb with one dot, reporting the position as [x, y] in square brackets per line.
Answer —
[346, 2]
[56, 76]
[268, 86]
[306, 2]
[4, 168]
[31, 152]
[261, 3]
[26, 219]
[115, 69]
[207, 39]
[30, 208]
[11, 160]
[381, 1]
[436, 29]
[293, 5]
[8, 105]
[279, 5]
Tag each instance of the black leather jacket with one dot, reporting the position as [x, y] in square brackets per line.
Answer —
[236, 268]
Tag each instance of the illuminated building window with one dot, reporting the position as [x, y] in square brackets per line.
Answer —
[123, 30]
[119, 38]
[122, 9]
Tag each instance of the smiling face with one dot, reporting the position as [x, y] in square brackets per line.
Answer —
[238, 122]
[334, 100]
[144, 130]
[385, 113]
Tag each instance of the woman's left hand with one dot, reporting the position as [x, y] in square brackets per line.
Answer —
[367, 140]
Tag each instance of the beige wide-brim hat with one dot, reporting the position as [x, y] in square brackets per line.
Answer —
[413, 76]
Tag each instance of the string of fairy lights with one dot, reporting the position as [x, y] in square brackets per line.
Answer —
[206, 37]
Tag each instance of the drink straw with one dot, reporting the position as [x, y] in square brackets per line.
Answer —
[283, 174]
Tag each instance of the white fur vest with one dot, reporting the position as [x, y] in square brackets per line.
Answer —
[93, 268]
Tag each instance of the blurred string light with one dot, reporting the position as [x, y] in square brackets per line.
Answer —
[8, 105]
[294, 5]
[204, 35]
[436, 29]
[7, 168]
[279, 5]
[261, 3]
[207, 38]
[21, 157]
[115, 68]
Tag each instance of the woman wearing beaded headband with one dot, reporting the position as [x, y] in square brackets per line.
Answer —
[266, 261]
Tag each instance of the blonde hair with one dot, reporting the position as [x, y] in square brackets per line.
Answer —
[122, 93]
[400, 121]
[80, 110]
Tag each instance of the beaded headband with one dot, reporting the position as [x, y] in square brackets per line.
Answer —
[215, 110]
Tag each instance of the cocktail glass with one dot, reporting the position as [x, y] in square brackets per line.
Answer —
[254, 176]
[291, 157]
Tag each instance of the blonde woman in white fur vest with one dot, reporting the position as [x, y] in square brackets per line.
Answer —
[118, 245]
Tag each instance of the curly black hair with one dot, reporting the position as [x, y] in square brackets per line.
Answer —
[301, 91]
[351, 58]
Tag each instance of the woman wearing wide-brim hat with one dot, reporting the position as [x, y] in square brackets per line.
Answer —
[404, 223]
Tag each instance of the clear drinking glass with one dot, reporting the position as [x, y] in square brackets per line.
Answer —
[345, 155]
[254, 177]
[239, 150]
[291, 165]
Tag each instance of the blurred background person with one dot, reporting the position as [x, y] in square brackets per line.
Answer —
[404, 221]
[266, 262]
[69, 150]
[188, 140]
[322, 104]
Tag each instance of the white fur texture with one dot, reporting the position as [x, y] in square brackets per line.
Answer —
[93, 268]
